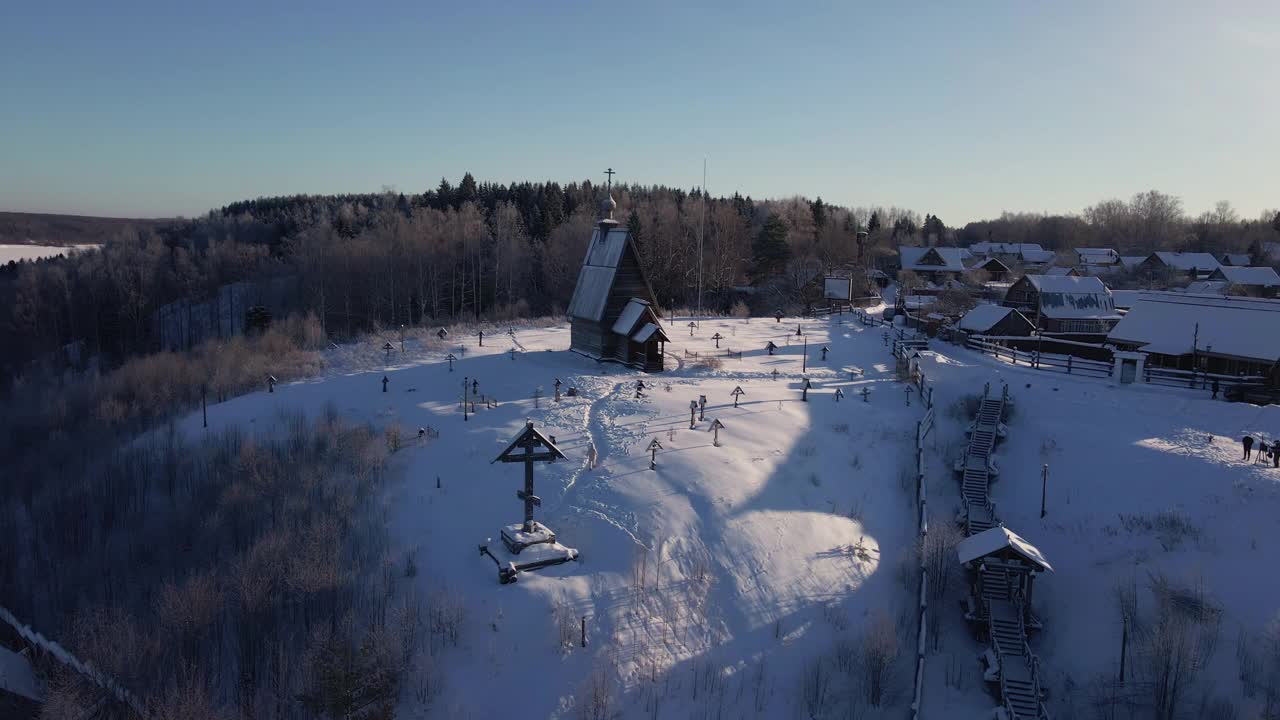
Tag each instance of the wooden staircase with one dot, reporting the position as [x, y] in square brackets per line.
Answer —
[1000, 603]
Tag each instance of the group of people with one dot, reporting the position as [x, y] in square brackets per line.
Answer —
[1263, 450]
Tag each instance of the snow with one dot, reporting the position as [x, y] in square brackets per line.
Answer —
[752, 545]
[749, 548]
[1235, 259]
[983, 317]
[643, 334]
[629, 316]
[995, 539]
[15, 253]
[1065, 297]
[1114, 453]
[1263, 276]
[16, 675]
[1203, 262]
[1170, 323]
[952, 258]
[596, 276]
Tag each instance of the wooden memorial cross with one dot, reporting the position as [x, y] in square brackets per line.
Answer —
[692, 325]
[804, 391]
[702, 407]
[481, 334]
[715, 429]
[271, 383]
[654, 447]
[824, 352]
[558, 389]
[775, 374]
[450, 358]
[529, 447]
[777, 316]
[384, 383]
[717, 337]
[388, 348]
[798, 333]
[839, 394]
[737, 392]
[771, 347]
[513, 354]
[693, 412]
[866, 394]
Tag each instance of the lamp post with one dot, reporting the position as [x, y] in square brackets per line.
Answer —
[1044, 488]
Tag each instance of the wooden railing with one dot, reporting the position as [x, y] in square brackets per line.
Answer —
[1068, 364]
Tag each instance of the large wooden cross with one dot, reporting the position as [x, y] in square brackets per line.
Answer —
[529, 447]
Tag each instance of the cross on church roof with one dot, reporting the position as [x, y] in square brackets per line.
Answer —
[610, 173]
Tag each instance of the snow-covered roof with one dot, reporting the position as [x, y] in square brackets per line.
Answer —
[595, 279]
[1067, 297]
[1188, 261]
[1098, 256]
[1169, 324]
[944, 259]
[1124, 299]
[984, 317]
[1057, 271]
[1205, 287]
[982, 263]
[996, 539]
[1027, 252]
[16, 675]
[1132, 261]
[1234, 259]
[643, 334]
[629, 316]
[1263, 276]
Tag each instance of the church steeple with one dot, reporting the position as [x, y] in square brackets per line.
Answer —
[608, 205]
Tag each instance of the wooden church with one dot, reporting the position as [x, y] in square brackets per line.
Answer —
[613, 314]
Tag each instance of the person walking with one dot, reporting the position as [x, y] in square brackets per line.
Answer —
[591, 455]
[1247, 441]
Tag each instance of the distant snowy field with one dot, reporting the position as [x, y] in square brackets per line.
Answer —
[14, 253]
[711, 584]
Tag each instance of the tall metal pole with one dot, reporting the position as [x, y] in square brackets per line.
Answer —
[1044, 487]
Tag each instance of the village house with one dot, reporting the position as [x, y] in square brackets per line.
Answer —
[935, 264]
[996, 320]
[995, 269]
[1097, 261]
[1024, 254]
[1236, 259]
[1059, 304]
[1224, 335]
[613, 314]
[1250, 281]
[1054, 271]
[1174, 265]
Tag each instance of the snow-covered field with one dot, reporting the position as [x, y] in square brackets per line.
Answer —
[710, 584]
[15, 253]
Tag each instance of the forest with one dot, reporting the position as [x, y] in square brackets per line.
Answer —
[490, 251]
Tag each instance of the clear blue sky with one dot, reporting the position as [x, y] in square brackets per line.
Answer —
[962, 109]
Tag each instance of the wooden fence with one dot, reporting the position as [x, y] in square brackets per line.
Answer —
[84, 669]
[1068, 364]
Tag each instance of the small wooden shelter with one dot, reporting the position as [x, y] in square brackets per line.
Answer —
[613, 314]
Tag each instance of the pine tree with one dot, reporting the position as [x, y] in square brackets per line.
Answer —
[874, 223]
[819, 210]
[770, 251]
[636, 228]
[467, 190]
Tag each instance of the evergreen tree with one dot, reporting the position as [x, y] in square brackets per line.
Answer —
[770, 251]
[444, 194]
[874, 223]
[467, 190]
[1275, 222]
[819, 210]
[636, 228]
